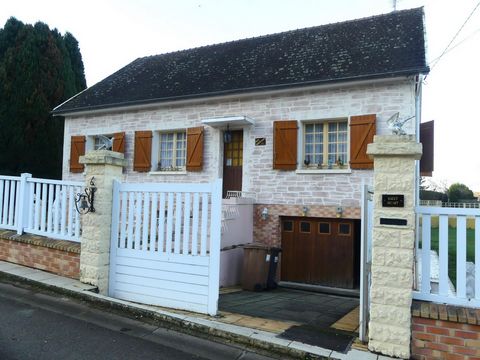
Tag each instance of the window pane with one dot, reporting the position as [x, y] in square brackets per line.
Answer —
[324, 228]
[288, 226]
[309, 128]
[344, 229]
[304, 227]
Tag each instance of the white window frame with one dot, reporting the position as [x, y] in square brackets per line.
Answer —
[324, 168]
[91, 140]
[156, 151]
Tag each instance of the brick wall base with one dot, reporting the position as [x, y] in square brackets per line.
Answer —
[56, 256]
[445, 332]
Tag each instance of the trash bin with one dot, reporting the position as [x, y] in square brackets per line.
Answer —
[259, 267]
[274, 253]
[256, 267]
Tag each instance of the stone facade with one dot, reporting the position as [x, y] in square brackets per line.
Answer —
[283, 190]
[104, 166]
[392, 245]
[56, 256]
[271, 186]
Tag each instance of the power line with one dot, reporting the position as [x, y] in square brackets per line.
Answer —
[453, 39]
[456, 45]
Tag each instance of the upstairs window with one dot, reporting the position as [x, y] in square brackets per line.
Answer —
[172, 147]
[325, 145]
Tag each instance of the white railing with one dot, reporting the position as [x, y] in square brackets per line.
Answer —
[473, 205]
[434, 283]
[9, 194]
[430, 202]
[40, 206]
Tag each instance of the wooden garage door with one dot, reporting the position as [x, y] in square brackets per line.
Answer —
[318, 251]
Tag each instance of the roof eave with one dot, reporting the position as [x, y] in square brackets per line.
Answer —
[57, 111]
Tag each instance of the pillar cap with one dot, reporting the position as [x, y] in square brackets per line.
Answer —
[103, 157]
[395, 145]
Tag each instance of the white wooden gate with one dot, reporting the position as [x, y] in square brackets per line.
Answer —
[165, 244]
[366, 260]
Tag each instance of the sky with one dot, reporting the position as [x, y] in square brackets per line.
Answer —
[111, 34]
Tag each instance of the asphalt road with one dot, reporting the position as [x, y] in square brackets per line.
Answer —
[37, 325]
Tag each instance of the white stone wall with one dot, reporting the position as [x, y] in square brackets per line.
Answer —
[271, 186]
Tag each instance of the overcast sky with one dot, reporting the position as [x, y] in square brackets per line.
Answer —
[113, 33]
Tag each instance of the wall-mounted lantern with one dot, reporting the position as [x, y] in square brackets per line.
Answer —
[264, 213]
[84, 201]
[305, 211]
[339, 212]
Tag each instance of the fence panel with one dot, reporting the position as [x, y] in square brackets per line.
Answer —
[50, 208]
[448, 256]
[164, 251]
[9, 200]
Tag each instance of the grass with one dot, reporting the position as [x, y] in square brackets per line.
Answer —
[452, 249]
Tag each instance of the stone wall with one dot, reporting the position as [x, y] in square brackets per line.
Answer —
[271, 186]
[56, 256]
[445, 332]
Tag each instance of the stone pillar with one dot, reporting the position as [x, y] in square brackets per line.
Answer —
[393, 243]
[104, 166]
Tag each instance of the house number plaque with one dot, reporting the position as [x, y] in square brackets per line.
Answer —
[393, 200]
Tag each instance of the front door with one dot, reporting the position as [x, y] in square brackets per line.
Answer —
[318, 251]
[233, 163]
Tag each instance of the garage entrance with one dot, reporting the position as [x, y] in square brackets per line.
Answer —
[320, 251]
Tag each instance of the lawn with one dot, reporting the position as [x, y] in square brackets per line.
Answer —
[452, 249]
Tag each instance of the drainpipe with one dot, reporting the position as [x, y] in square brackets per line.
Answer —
[418, 117]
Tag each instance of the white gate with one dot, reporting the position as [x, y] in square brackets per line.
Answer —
[165, 244]
[365, 260]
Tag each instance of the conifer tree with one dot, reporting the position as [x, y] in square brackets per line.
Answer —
[39, 69]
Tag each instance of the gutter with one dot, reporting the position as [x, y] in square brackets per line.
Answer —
[95, 108]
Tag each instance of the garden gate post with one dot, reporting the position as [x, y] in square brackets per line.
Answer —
[393, 243]
[104, 166]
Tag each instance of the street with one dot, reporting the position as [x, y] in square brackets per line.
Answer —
[36, 325]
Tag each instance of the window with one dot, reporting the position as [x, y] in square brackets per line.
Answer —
[304, 227]
[324, 228]
[325, 144]
[172, 151]
[102, 142]
[288, 226]
[344, 229]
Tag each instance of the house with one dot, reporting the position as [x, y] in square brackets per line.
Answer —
[286, 116]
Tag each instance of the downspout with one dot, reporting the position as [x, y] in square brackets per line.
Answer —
[418, 117]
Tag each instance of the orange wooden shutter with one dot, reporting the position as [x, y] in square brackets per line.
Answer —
[427, 140]
[285, 145]
[77, 149]
[119, 142]
[142, 159]
[362, 130]
[194, 149]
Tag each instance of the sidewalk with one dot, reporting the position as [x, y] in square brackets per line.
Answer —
[187, 322]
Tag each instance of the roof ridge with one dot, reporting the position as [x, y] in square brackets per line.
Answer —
[280, 33]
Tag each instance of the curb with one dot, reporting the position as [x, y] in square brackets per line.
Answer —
[170, 321]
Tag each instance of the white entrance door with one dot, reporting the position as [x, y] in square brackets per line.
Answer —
[165, 245]
[365, 260]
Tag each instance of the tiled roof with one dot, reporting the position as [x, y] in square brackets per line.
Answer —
[374, 47]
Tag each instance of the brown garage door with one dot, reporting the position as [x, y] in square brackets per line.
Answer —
[318, 251]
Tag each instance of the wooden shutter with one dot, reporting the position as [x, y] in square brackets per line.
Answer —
[77, 149]
[362, 130]
[142, 158]
[285, 145]
[119, 142]
[427, 140]
[194, 149]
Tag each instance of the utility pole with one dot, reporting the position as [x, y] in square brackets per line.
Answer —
[394, 5]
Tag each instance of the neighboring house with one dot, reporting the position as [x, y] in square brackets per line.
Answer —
[286, 116]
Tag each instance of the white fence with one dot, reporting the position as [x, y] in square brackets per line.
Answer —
[40, 206]
[434, 283]
[165, 245]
